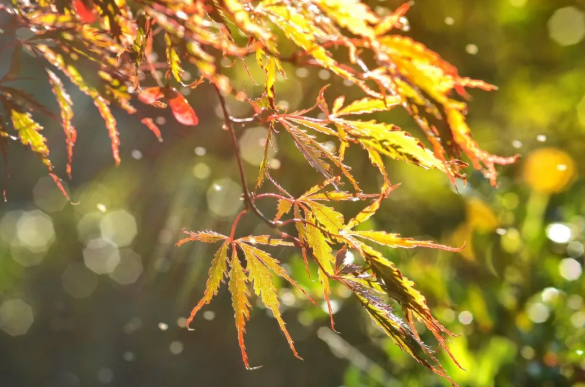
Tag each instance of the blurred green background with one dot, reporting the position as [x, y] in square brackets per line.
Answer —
[96, 294]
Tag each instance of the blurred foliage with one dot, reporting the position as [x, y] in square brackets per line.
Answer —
[515, 293]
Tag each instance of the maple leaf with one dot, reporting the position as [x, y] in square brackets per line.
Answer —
[239, 289]
[181, 109]
[66, 106]
[109, 50]
[216, 276]
[259, 265]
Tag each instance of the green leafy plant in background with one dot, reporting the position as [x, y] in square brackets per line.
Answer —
[117, 41]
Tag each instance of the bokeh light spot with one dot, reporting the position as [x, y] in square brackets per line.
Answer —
[274, 164]
[30, 235]
[35, 231]
[527, 352]
[511, 240]
[471, 49]
[252, 145]
[16, 317]
[129, 268]
[570, 269]
[448, 315]
[324, 74]
[119, 227]
[136, 154]
[538, 312]
[105, 375]
[78, 281]
[287, 297]
[465, 317]
[209, 315]
[25, 256]
[176, 347]
[88, 227]
[550, 295]
[330, 146]
[567, 26]
[101, 256]
[558, 232]
[223, 197]
[542, 172]
[133, 325]
[578, 319]
[8, 226]
[335, 306]
[302, 72]
[47, 196]
[201, 171]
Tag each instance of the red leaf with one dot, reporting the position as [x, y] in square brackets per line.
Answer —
[182, 111]
[86, 14]
[151, 95]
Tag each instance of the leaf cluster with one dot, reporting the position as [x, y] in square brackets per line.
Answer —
[121, 42]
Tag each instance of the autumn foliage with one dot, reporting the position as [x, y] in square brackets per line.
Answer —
[117, 39]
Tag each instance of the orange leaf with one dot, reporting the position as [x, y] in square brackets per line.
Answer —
[110, 121]
[65, 103]
[152, 126]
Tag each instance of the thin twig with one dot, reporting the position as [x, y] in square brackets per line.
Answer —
[248, 200]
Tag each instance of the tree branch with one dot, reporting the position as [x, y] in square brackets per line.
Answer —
[228, 121]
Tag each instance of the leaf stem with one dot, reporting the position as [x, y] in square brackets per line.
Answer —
[235, 224]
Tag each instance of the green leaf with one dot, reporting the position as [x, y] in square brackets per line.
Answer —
[173, 60]
[356, 16]
[369, 105]
[271, 66]
[28, 132]
[259, 265]
[239, 289]
[326, 217]
[264, 163]
[395, 241]
[313, 151]
[389, 141]
[284, 207]
[216, 275]
[201, 236]
[265, 240]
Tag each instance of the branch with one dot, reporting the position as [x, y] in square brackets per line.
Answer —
[248, 200]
